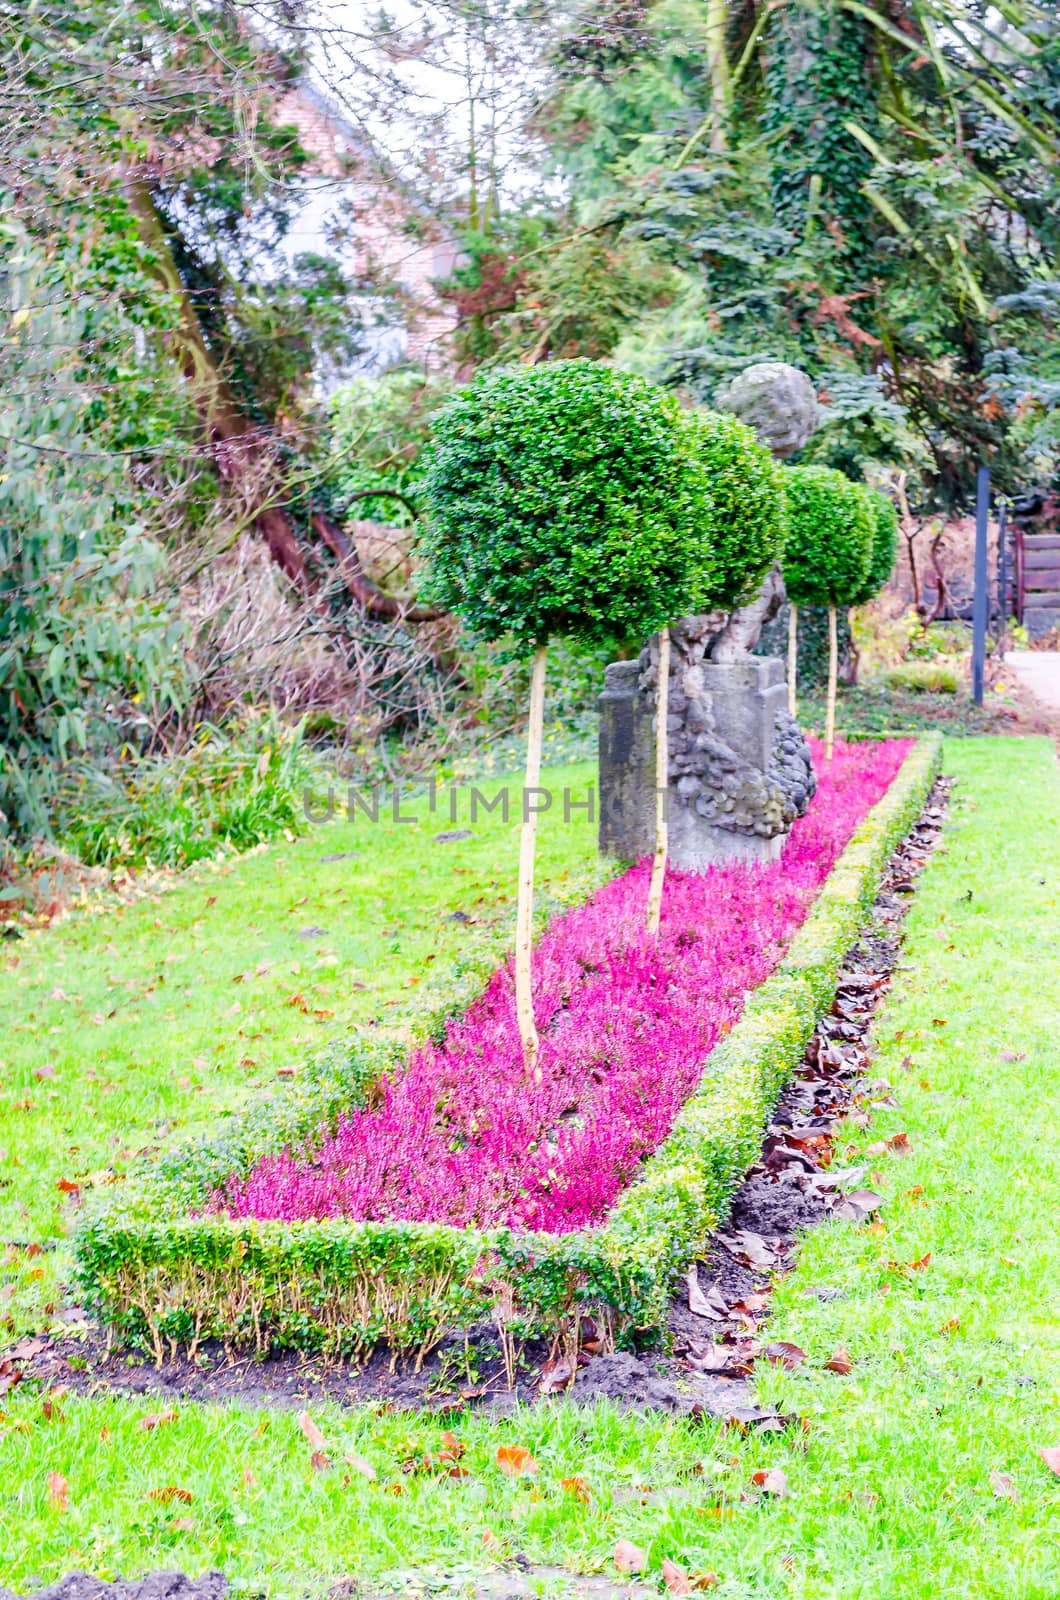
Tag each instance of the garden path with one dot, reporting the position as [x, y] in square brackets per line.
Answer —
[1038, 671]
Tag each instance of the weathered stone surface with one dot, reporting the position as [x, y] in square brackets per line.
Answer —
[740, 771]
[777, 401]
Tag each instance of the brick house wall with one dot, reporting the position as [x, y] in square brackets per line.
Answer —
[375, 241]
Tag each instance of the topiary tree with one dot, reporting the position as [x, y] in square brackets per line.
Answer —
[564, 499]
[748, 525]
[884, 516]
[826, 559]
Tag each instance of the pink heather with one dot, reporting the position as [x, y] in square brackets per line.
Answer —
[626, 1027]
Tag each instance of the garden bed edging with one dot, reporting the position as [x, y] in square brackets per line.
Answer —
[160, 1275]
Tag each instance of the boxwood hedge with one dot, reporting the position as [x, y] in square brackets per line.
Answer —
[162, 1274]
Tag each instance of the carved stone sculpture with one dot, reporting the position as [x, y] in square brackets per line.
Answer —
[740, 770]
[777, 401]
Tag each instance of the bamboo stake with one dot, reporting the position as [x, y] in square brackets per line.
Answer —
[793, 659]
[662, 780]
[524, 925]
[833, 655]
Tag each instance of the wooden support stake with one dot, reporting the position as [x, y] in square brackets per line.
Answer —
[833, 666]
[524, 924]
[793, 658]
[662, 782]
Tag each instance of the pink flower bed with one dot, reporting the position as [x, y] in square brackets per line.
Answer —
[626, 1027]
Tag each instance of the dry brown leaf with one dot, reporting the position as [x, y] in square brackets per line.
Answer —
[168, 1493]
[1004, 1487]
[578, 1488]
[774, 1481]
[182, 1525]
[784, 1354]
[157, 1419]
[312, 1432]
[675, 1577]
[698, 1303]
[514, 1461]
[629, 1557]
[362, 1465]
[320, 1461]
[58, 1491]
[840, 1362]
[1051, 1456]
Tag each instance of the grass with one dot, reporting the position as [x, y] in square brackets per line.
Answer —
[136, 1026]
[955, 1361]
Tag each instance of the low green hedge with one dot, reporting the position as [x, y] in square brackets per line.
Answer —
[161, 1275]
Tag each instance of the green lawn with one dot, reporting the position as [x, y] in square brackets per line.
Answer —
[956, 1365]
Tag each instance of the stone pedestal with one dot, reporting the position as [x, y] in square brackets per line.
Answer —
[739, 768]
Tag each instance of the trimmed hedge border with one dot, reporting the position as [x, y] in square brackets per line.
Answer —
[160, 1275]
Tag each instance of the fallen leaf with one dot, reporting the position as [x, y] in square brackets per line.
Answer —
[1004, 1487]
[169, 1493]
[320, 1461]
[313, 1434]
[578, 1488]
[51, 1405]
[182, 1525]
[858, 1205]
[675, 1577]
[58, 1491]
[840, 1362]
[514, 1461]
[774, 1481]
[751, 1246]
[1013, 1055]
[784, 1354]
[700, 1304]
[362, 1465]
[558, 1374]
[157, 1419]
[452, 1447]
[629, 1557]
[1051, 1456]
[951, 1326]
[26, 1349]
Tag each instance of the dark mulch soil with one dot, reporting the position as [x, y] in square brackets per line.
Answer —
[704, 1365]
[156, 1586]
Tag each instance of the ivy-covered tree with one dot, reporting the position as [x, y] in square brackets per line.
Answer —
[827, 556]
[564, 500]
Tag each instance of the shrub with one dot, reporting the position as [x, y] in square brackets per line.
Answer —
[231, 788]
[749, 521]
[923, 677]
[564, 499]
[826, 561]
[830, 537]
[884, 544]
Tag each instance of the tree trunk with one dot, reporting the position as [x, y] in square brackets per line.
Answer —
[662, 785]
[793, 659]
[242, 448]
[524, 924]
[833, 659]
[720, 79]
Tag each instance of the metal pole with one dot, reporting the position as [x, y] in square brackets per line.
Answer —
[1002, 576]
[981, 601]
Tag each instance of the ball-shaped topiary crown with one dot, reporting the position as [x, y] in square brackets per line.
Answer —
[830, 537]
[564, 499]
[749, 516]
[884, 544]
